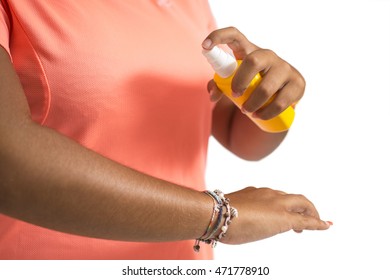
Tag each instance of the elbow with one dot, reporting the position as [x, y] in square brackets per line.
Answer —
[251, 155]
[256, 149]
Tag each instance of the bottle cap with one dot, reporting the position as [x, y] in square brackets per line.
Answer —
[223, 63]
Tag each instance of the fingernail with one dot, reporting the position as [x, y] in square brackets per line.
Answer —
[207, 43]
[236, 94]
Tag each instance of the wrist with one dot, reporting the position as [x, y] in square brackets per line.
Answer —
[220, 220]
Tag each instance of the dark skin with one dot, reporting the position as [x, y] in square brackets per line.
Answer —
[280, 80]
[52, 181]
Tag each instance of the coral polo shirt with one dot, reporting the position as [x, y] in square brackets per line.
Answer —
[125, 79]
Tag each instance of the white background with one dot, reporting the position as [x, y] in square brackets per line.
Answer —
[337, 152]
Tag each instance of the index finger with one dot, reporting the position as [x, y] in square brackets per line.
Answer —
[301, 222]
[231, 36]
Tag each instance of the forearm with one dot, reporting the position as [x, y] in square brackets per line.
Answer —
[240, 135]
[49, 180]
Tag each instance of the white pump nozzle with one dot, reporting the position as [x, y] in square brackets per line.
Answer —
[223, 63]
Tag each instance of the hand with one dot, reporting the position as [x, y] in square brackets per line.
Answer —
[282, 85]
[265, 212]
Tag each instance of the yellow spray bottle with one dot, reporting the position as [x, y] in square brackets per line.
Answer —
[225, 66]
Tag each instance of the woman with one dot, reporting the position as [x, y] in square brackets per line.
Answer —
[104, 126]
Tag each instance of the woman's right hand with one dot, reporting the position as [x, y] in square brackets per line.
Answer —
[265, 212]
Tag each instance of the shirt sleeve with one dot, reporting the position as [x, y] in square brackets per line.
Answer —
[4, 28]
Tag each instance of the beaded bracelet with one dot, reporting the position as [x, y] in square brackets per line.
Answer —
[230, 214]
[220, 201]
